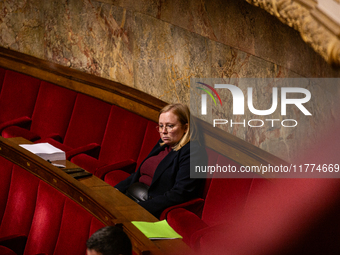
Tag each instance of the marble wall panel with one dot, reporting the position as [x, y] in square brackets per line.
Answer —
[166, 57]
[21, 26]
[148, 7]
[240, 25]
[90, 36]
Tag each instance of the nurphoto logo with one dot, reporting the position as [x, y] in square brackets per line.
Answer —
[300, 97]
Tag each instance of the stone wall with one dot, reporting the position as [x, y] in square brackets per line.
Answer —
[157, 46]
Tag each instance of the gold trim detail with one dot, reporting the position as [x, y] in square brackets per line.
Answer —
[315, 28]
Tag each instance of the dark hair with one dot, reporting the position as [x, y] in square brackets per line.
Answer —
[110, 240]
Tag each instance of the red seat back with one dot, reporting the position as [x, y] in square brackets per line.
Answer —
[88, 121]
[52, 222]
[151, 137]
[18, 96]
[5, 182]
[123, 136]
[225, 196]
[2, 76]
[20, 206]
[52, 110]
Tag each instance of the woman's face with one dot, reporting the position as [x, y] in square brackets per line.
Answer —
[172, 130]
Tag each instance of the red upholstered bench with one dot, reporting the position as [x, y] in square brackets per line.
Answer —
[51, 222]
[86, 127]
[223, 200]
[2, 76]
[52, 112]
[6, 251]
[17, 98]
[121, 146]
[98, 136]
[234, 216]
[114, 176]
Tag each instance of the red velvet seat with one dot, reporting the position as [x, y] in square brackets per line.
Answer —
[6, 251]
[51, 116]
[2, 77]
[294, 216]
[225, 199]
[17, 99]
[52, 223]
[196, 206]
[150, 139]
[86, 127]
[20, 206]
[121, 144]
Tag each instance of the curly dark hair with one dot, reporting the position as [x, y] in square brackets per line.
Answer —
[110, 240]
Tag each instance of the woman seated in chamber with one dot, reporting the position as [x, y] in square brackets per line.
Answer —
[163, 178]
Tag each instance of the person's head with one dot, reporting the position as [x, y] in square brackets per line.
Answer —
[174, 125]
[110, 240]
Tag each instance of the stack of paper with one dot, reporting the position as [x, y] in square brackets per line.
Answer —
[156, 230]
[45, 151]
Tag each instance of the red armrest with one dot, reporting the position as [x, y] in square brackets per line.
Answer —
[185, 223]
[83, 149]
[195, 206]
[16, 243]
[6, 251]
[115, 177]
[206, 235]
[16, 122]
[126, 165]
[16, 131]
[56, 137]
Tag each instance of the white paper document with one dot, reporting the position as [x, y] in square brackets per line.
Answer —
[46, 151]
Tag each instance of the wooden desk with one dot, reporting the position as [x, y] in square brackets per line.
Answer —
[99, 198]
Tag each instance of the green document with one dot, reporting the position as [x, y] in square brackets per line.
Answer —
[156, 230]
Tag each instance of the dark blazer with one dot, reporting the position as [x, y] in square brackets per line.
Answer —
[171, 183]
